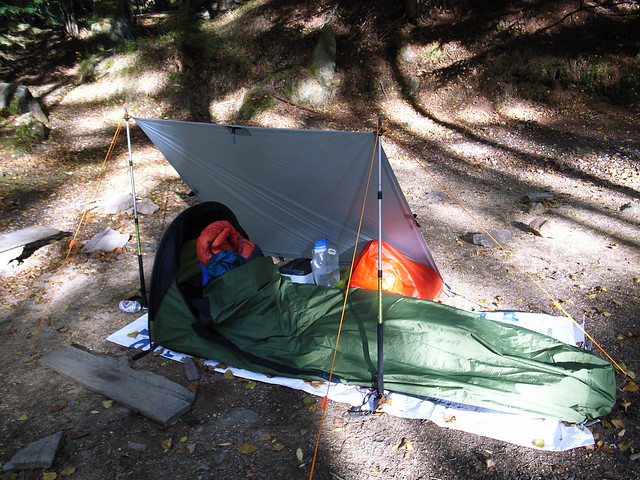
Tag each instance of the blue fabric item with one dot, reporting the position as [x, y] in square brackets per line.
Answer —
[224, 261]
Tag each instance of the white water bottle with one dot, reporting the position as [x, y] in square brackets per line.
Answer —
[325, 264]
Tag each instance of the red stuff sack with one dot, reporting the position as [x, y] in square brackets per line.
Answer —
[399, 274]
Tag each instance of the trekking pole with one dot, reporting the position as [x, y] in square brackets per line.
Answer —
[143, 290]
[380, 331]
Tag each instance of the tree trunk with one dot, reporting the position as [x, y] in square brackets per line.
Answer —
[69, 19]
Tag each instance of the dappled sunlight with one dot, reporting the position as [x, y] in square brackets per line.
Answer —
[232, 17]
[470, 150]
[521, 110]
[223, 110]
[404, 114]
[473, 115]
[124, 79]
[272, 119]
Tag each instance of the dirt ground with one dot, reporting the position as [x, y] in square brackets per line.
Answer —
[584, 154]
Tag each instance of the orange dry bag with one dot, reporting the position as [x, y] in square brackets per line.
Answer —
[399, 274]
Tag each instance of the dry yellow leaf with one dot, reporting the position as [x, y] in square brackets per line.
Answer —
[166, 444]
[228, 375]
[68, 471]
[449, 418]
[107, 403]
[538, 443]
[247, 448]
[264, 437]
[630, 387]
[277, 447]
[299, 454]
[250, 385]
[49, 475]
[625, 405]
[617, 423]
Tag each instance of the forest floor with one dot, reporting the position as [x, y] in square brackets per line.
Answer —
[583, 152]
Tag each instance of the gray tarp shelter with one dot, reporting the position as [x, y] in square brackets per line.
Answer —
[290, 187]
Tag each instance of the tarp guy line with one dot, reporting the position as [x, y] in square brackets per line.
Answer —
[516, 262]
[74, 243]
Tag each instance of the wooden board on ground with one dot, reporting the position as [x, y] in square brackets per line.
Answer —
[27, 236]
[154, 396]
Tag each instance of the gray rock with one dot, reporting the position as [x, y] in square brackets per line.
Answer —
[317, 88]
[538, 197]
[309, 91]
[238, 417]
[323, 60]
[536, 208]
[136, 447]
[16, 99]
[39, 454]
[631, 210]
[408, 54]
[436, 197]
[501, 235]
[543, 227]
[191, 369]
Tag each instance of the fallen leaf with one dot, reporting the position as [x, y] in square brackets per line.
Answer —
[307, 400]
[181, 450]
[247, 448]
[490, 462]
[625, 405]
[166, 444]
[630, 387]
[183, 439]
[299, 454]
[250, 385]
[617, 423]
[624, 446]
[133, 334]
[225, 444]
[23, 417]
[264, 437]
[606, 448]
[59, 405]
[449, 418]
[49, 475]
[538, 443]
[107, 403]
[228, 375]
[277, 447]
[314, 383]
[68, 471]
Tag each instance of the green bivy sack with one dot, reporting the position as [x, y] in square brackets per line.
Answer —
[254, 318]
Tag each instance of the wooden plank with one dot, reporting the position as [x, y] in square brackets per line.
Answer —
[27, 236]
[154, 396]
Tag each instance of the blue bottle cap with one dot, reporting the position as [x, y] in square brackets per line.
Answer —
[321, 243]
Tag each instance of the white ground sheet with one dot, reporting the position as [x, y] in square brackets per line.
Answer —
[517, 429]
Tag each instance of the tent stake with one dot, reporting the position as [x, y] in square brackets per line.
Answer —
[380, 330]
[143, 290]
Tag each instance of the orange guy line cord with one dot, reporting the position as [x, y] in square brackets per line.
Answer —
[344, 307]
[516, 262]
[76, 239]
